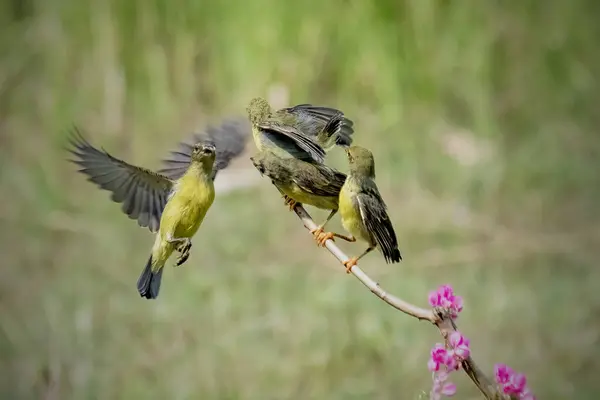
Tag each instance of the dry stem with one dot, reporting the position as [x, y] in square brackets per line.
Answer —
[437, 317]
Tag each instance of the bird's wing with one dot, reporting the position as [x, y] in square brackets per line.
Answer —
[285, 133]
[320, 180]
[142, 193]
[312, 120]
[373, 212]
[229, 138]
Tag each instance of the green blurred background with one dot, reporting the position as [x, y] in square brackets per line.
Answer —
[482, 115]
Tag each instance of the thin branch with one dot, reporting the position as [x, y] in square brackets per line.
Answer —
[438, 317]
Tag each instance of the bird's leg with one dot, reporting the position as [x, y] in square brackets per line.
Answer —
[178, 242]
[183, 246]
[291, 203]
[320, 236]
[346, 238]
[185, 253]
[352, 261]
[330, 235]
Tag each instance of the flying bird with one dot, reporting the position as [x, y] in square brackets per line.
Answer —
[172, 202]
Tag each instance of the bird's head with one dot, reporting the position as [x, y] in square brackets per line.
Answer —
[258, 110]
[204, 153]
[361, 161]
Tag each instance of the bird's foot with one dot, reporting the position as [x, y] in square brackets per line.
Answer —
[291, 203]
[324, 237]
[317, 232]
[182, 258]
[184, 249]
[350, 263]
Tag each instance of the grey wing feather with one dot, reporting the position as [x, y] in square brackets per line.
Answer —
[324, 181]
[303, 142]
[376, 220]
[142, 193]
[229, 138]
[313, 119]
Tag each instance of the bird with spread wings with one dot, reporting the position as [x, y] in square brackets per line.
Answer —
[171, 202]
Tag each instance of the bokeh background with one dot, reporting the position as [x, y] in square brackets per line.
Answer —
[483, 117]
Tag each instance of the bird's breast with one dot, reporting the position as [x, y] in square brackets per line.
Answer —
[188, 205]
[350, 213]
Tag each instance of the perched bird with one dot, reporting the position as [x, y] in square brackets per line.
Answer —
[173, 207]
[304, 132]
[305, 182]
[292, 143]
[363, 211]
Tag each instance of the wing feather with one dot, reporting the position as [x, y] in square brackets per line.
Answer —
[313, 119]
[374, 216]
[142, 193]
[304, 142]
[229, 138]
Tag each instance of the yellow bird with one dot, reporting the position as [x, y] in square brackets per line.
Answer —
[363, 211]
[174, 208]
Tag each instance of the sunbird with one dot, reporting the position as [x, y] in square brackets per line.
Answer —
[363, 211]
[305, 182]
[173, 208]
[304, 131]
[292, 143]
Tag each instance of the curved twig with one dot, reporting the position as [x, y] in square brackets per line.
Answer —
[437, 317]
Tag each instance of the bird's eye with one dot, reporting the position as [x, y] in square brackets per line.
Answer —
[206, 150]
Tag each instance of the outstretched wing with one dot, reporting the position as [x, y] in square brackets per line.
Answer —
[312, 120]
[142, 193]
[374, 216]
[285, 133]
[229, 139]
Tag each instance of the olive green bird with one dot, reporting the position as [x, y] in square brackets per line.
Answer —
[309, 183]
[363, 211]
[292, 143]
[172, 202]
[304, 131]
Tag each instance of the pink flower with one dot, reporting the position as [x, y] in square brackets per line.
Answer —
[441, 387]
[503, 373]
[444, 297]
[512, 383]
[439, 356]
[516, 384]
[459, 345]
[527, 395]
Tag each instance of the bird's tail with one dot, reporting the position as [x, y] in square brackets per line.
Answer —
[391, 255]
[149, 282]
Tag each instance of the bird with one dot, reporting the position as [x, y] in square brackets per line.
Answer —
[363, 211]
[310, 183]
[304, 131]
[173, 206]
[292, 143]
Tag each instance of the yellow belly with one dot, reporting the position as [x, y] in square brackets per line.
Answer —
[350, 216]
[323, 202]
[186, 209]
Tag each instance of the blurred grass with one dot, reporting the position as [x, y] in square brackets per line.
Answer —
[483, 119]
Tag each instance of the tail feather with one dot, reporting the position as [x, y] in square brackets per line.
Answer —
[148, 284]
[391, 255]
